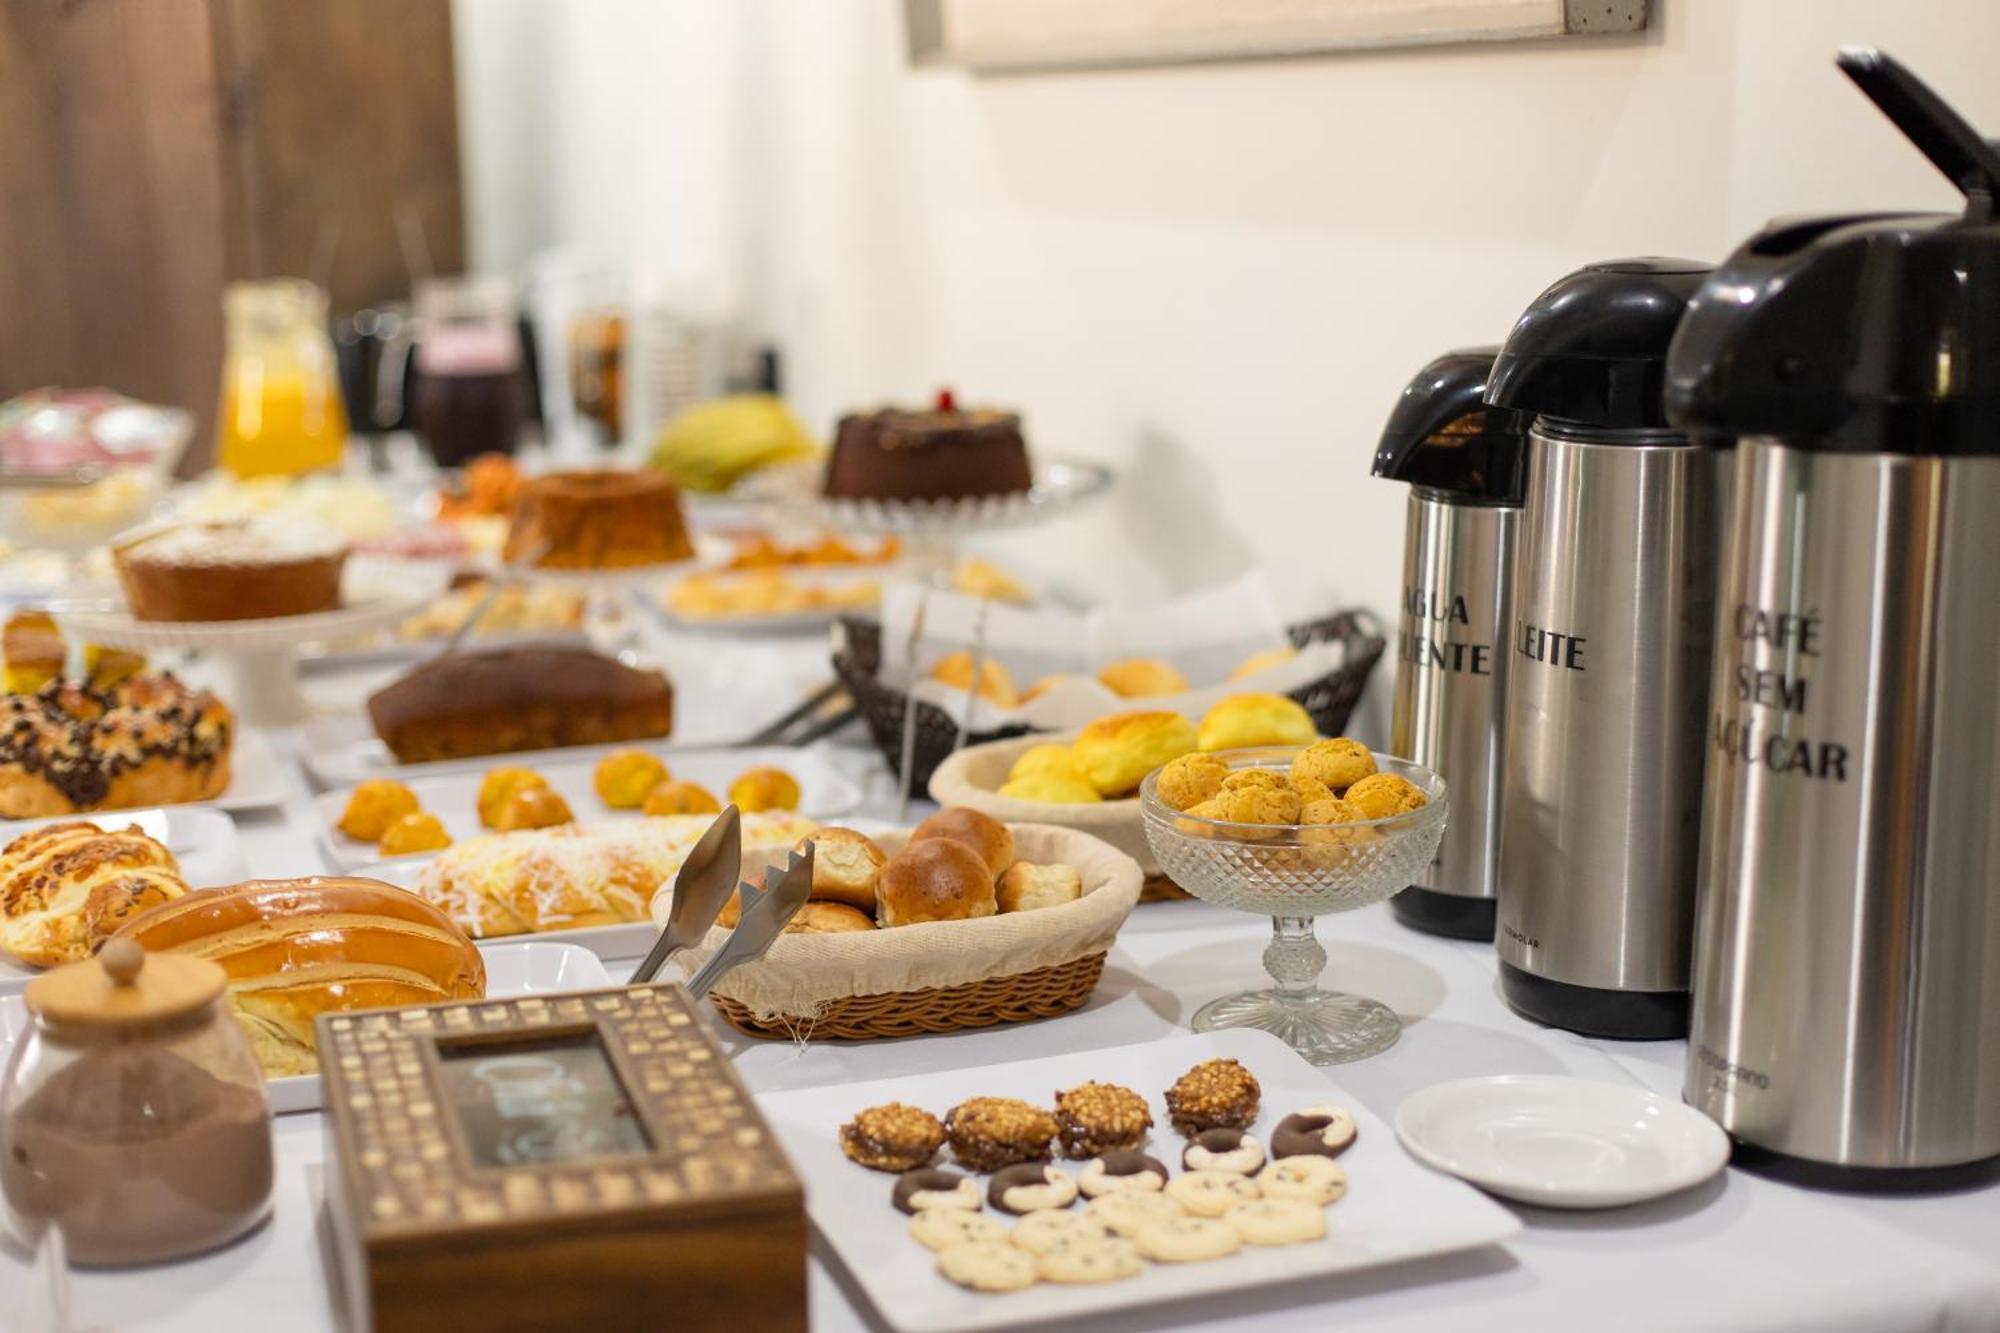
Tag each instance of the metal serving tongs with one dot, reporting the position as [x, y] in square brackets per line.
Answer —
[766, 913]
[701, 890]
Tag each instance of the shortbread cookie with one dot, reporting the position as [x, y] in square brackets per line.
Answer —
[1317, 1131]
[1122, 1173]
[929, 1187]
[1086, 1259]
[942, 1228]
[1276, 1221]
[985, 1265]
[1031, 1187]
[1038, 1233]
[1314, 1179]
[1129, 1214]
[1187, 1240]
[1210, 1193]
[1228, 1150]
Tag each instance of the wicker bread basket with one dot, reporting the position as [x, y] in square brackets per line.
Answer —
[940, 976]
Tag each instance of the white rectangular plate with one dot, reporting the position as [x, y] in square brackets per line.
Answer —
[1395, 1209]
[256, 775]
[202, 840]
[824, 791]
[537, 967]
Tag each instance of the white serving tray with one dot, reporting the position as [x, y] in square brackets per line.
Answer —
[824, 791]
[1395, 1209]
[256, 775]
[203, 841]
[536, 967]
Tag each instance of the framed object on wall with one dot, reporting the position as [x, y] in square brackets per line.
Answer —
[1000, 35]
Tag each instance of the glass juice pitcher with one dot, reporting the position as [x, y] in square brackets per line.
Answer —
[470, 394]
[281, 407]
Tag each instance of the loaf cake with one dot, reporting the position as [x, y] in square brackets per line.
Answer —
[505, 700]
[149, 740]
[297, 948]
[940, 453]
[243, 569]
[598, 520]
[65, 888]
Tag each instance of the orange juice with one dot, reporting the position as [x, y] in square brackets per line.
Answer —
[281, 410]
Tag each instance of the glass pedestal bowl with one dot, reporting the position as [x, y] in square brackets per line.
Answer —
[1293, 873]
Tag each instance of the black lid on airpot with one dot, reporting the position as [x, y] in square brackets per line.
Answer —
[1871, 333]
[1443, 437]
[1592, 349]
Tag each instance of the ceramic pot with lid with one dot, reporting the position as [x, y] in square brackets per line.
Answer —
[133, 1112]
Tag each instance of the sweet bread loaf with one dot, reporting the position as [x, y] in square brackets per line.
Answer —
[598, 520]
[506, 700]
[298, 948]
[146, 741]
[66, 888]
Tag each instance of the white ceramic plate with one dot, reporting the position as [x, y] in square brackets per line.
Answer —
[1394, 1210]
[256, 775]
[1561, 1142]
[824, 791]
[536, 967]
[203, 841]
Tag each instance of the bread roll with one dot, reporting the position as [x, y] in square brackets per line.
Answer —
[65, 888]
[995, 683]
[828, 919]
[1244, 720]
[1037, 760]
[1116, 752]
[297, 948]
[1264, 661]
[981, 832]
[1052, 789]
[936, 879]
[847, 867]
[1027, 887]
[1142, 676]
[764, 788]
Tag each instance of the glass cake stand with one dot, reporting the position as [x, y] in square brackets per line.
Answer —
[1293, 873]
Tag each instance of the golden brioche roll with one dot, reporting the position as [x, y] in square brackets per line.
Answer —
[1243, 720]
[65, 888]
[1142, 676]
[1263, 661]
[529, 808]
[1042, 687]
[373, 806]
[297, 948]
[1053, 788]
[764, 788]
[624, 777]
[501, 785]
[1116, 752]
[995, 683]
[847, 867]
[677, 796]
[1048, 758]
[937, 879]
[981, 832]
[821, 918]
[1027, 887]
[418, 831]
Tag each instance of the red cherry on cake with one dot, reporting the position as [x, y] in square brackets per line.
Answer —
[946, 402]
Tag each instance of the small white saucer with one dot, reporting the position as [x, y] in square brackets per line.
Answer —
[1561, 1142]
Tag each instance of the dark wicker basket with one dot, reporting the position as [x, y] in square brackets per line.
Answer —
[857, 660]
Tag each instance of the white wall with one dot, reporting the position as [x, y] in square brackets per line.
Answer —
[1218, 276]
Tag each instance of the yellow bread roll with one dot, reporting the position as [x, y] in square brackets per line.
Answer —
[994, 681]
[1142, 676]
[1055, 788]
[1040, 759]
[1243, 720]
[1115, 752]
[1263, 661]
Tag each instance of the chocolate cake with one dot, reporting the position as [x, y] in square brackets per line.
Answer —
[939, 453]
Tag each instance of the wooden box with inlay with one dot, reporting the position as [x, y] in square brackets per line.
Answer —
[556, 1162]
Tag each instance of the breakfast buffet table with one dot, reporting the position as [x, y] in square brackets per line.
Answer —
[1739, 1252]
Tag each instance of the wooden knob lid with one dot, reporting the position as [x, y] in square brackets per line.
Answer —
[124, 986]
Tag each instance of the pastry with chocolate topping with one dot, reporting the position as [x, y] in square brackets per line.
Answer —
[1317, 1131]
[1122, 1172]
[1031, 1187]
[928, 1187]
[1215, 1094]
[1224, 1150]
[892, 1137]
[1096, 1118]
[987, 1133]
[149, 740]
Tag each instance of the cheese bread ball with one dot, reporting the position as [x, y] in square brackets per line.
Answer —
[1190, 780]
[1384, 794]
[1339, 763]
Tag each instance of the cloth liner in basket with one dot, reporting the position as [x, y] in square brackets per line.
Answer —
[973, 777]
[942, 975]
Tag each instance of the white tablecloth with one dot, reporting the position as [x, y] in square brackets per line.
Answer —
[1740, 1253]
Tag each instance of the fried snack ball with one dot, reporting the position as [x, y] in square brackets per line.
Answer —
[1190, 780]
[1330, 810]
[532, 807]
[1116, 752]
[374, 806]
[1311, 789]
[1381, 795]
[500, 786]
[624, 777]
[417, 831]
[1054, 788]
[1256, 719]
[1339, 763]
[678, 797]
[1039, 759]
[764, 788]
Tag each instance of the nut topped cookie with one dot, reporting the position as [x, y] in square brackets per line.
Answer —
[1095, 1118]
[1215, 1094]
[987, 1133]
[892, 1137]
